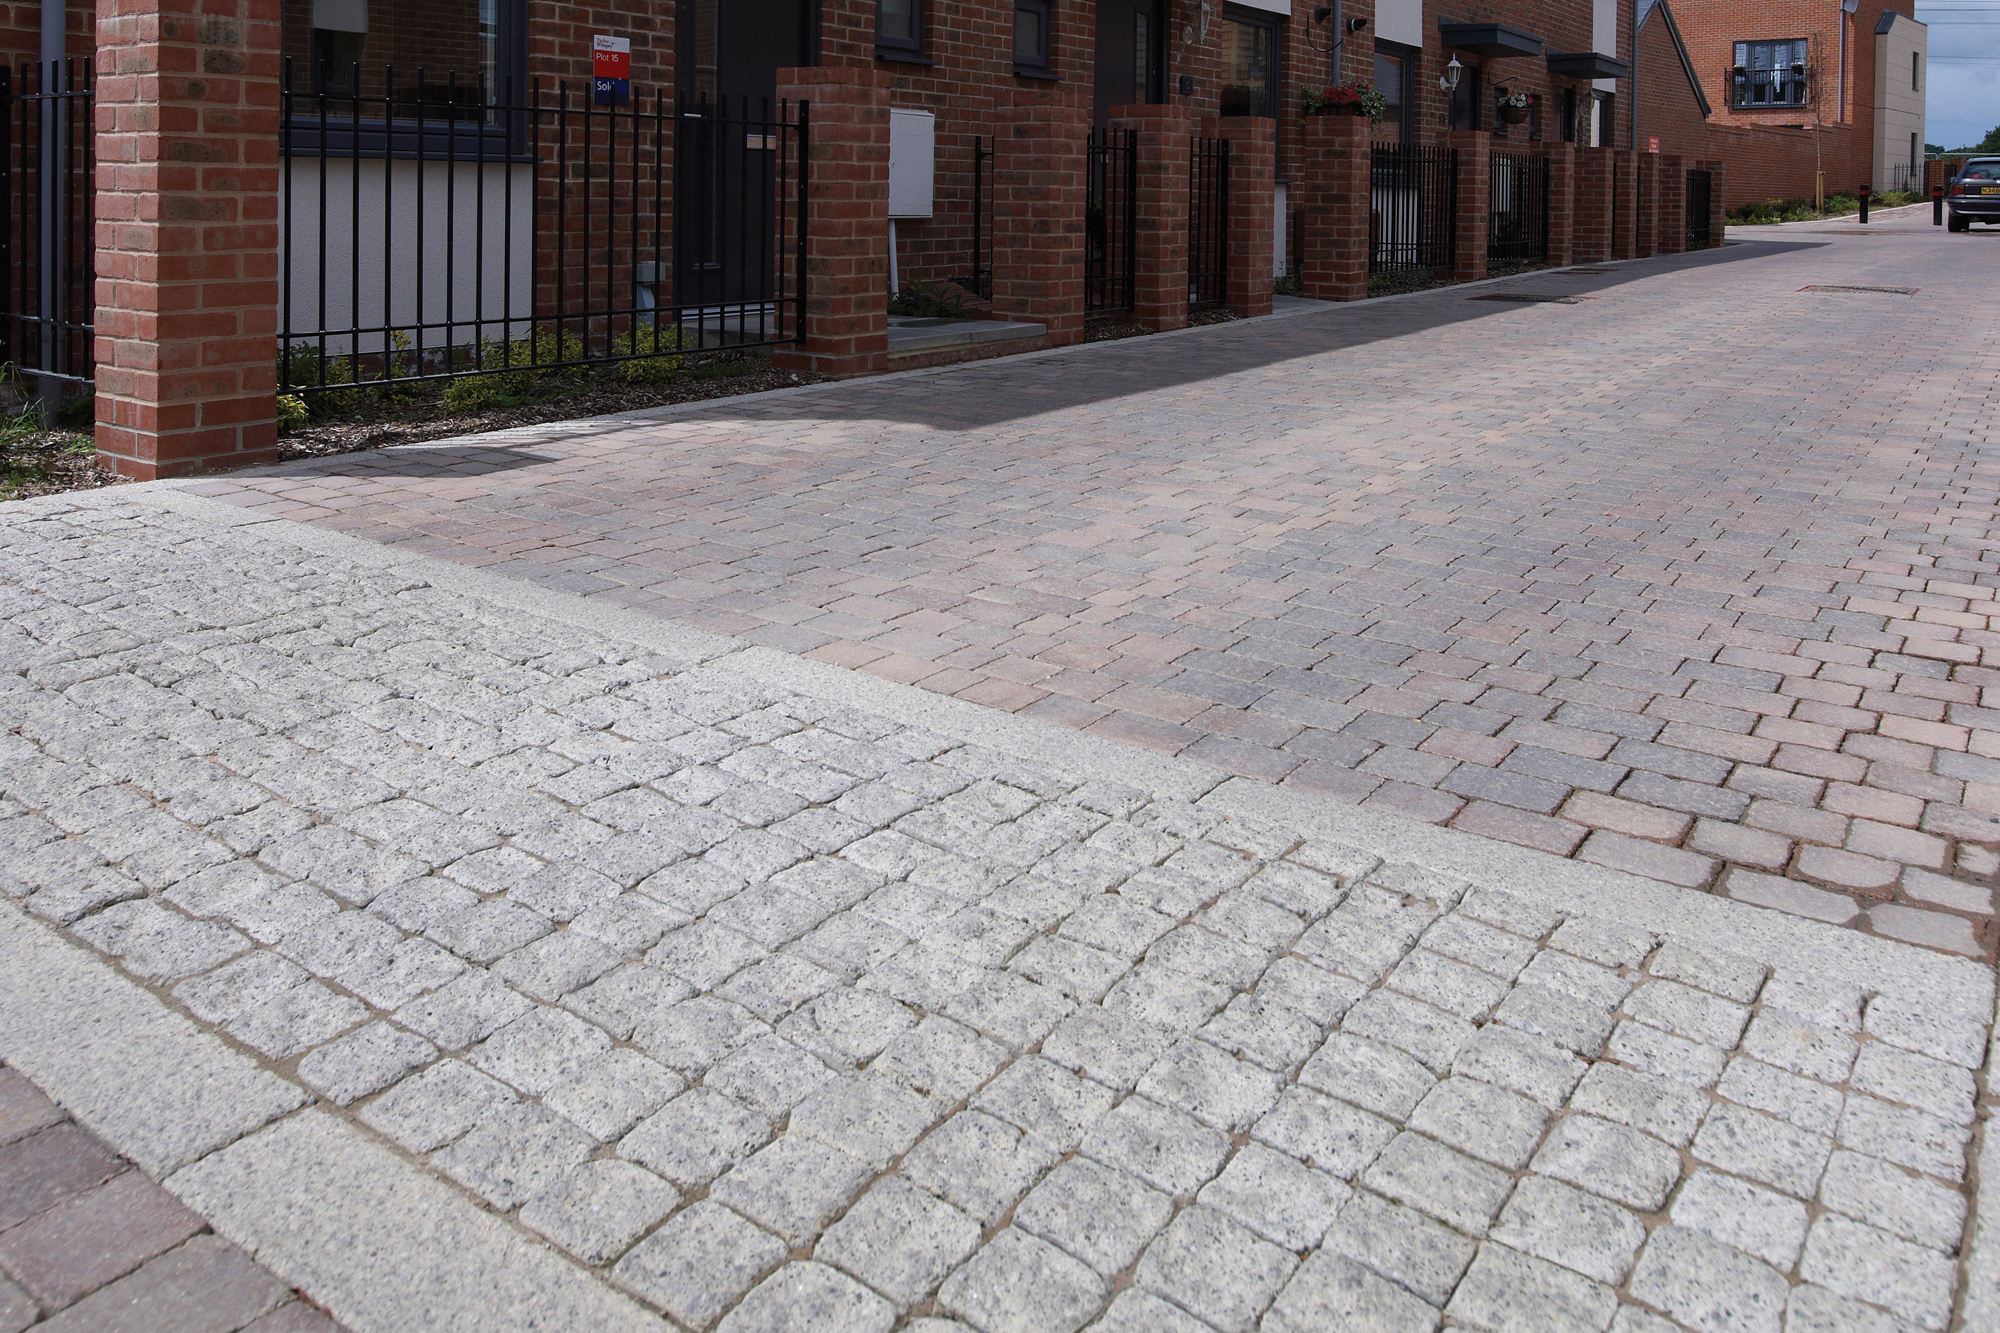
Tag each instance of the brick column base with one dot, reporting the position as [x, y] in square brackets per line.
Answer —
[1160, 211]
[1562, 204]
[1253, 219]
[1040, 158]
[1670, 218]
[1475, 191]
[1625, 211]
[187, 235]
[1592, 206]
[1646, 185]
[1718, 196]
[1333, 196]
[845, 322]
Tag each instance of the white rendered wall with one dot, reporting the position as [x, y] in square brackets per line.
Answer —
[387, 258]
[1899, 108]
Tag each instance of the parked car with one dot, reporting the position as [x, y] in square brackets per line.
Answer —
[1975, 194]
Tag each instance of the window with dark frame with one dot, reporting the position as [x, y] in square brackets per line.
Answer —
[1031, 36]
[1914, 59]
[1769, 74]
[1465, 102]
[1534, 115]
[1250, 48]
[1392, 80]
[455, 65]
[899, 26]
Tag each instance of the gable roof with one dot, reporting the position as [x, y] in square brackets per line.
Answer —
[1647, 8]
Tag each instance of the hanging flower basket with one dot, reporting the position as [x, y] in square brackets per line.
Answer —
[1353, 98]
[1514, 107]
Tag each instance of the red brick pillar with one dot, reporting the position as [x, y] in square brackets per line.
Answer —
[1040, 145]
[1592, 206]
[1562, 203]
[1333, 195]
[1162, 139]
[187, 235]
[1670, 224]
[1646, 184]
[1253, 218]
[1625, 212]
[846, 280]
[1718, 195]
[1475, 190]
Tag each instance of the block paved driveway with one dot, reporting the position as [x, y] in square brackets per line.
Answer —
[1692, 577]
[473, 963]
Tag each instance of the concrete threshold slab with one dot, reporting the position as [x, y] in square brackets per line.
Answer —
[386, 1244]
[938, 336]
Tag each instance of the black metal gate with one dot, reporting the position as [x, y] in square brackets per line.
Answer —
[1518, 209]
[1699, 201]
[1208, 223]
[430, 233]
[1111, 242]
[48, 246]
[1412, 208]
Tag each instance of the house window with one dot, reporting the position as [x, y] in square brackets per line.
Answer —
[1769, 74]
[1392, 80]
[464, 50]
[1031, 36]
[1249, 65]
[1914, 58]
[899, 26]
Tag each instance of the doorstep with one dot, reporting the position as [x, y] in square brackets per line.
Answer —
[918, 343]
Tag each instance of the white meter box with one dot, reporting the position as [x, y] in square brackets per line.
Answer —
[912, 163]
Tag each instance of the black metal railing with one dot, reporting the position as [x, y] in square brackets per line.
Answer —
[1412, 208]
[980, 280]
[48, 246]
[425, 239]
[1111, 235]
[1208, 223]
[1699, 202]
[1518, 209]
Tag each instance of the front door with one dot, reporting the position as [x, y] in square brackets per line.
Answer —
[1131, 54]
[727, 151]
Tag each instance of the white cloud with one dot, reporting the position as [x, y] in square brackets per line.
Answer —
[1963, 100]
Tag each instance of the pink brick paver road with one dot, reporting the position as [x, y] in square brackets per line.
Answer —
[1694, 576]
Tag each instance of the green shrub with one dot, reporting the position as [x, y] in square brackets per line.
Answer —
[304, 373]
[292, 413]
[930, 300]
[642, 348]
[79, 413]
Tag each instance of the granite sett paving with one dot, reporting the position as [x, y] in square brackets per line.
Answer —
[475, 955]
[1654, 580]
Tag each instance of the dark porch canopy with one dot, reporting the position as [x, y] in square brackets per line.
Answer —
[1589, 65]
[1492, 40]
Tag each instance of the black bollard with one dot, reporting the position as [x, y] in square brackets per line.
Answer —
[1937, 205]
[1863, 195]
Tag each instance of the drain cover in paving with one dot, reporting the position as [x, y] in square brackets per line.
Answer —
[1890, 291]
[1535, 297]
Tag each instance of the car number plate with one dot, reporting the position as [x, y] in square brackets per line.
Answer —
[1989, 189]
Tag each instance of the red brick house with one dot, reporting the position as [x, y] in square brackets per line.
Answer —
[430, 188]
[1805, 88]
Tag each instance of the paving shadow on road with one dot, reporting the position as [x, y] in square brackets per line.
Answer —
[992, 393]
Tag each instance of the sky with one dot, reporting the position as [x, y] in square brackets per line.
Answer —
[1963, 100]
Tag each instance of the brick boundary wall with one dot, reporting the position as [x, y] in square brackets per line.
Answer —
[1252, 211]
[187, 235]
[1646, 188]
[1592, 195]
[1331, 200]
[1475, 193]
[846, 280]
[1040, 146]
[1562, 203]
[1670, 218]
[1162, 137]
[1624, 211]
